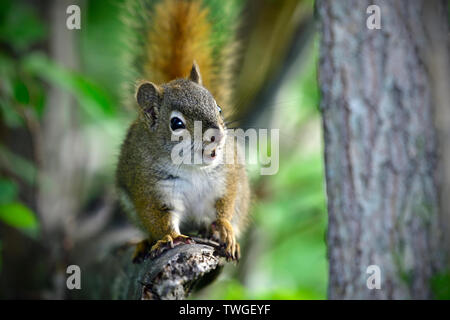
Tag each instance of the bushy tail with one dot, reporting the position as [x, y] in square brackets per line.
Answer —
[164, 37]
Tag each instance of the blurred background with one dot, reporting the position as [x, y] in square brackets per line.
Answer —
[62, 121]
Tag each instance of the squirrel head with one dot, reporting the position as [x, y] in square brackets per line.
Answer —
[176, 108]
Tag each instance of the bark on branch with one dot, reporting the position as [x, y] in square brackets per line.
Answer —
[172, 275]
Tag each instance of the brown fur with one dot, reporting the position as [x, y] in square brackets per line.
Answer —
[145, 169]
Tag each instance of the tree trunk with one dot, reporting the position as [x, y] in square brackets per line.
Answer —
[380, 146]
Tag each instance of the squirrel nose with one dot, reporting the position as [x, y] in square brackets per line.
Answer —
[214, 135]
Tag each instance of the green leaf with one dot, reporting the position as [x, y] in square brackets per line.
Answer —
[92, 98]
[18, 215]
[8, 191]
[21, 93]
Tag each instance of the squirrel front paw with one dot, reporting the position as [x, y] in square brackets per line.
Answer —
[168, 242]
[144, 249]
[222, 231]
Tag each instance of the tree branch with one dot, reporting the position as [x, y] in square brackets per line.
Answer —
[171, 276]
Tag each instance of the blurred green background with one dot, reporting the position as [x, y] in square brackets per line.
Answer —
[285, 249]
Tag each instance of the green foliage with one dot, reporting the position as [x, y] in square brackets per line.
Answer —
[19, 25]
[101, 47]
[293, 222]
[21, 77]
[20, 30]
[15, 213]
[19, 91]
[8, 191]
[234, 290]
[293, 218]
[18, 165]
[18, 215]
[94, 101]
[440, 285]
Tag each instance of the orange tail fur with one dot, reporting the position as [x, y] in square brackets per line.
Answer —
[179, 33]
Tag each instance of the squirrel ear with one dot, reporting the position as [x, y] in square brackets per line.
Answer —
[147, 94]
[148, 97]
[195, 74]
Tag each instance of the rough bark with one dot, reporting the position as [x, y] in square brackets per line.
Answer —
[171, 276]
[380, 147]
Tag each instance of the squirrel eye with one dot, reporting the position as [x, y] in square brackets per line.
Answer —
[176, 123]
[219, 108]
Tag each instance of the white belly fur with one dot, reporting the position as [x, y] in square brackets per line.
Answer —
[193, 196]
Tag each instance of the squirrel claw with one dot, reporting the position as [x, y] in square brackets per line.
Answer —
[222, 231]
[232, 253]
[169, 242]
